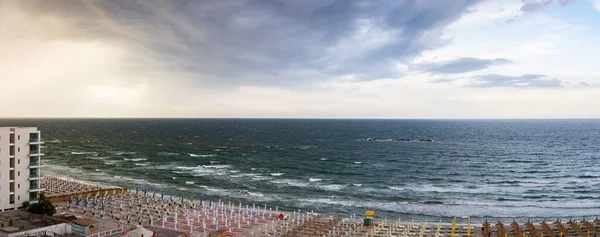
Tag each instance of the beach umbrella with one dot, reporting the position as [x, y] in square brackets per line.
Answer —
[77, 201]
[469, 226]
[181, 199]
[201, 200]
[137, 189]
[153, 193]
[453, 227]
[145, 192]
[70, 200]
[171, 196]
[210, 202]
[162, 194]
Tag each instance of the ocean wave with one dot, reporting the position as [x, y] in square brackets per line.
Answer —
[120, 153]
[189, 182]
[314, 179]
[201, 155]
[277, 174]
[84, 153]
[164, 153]
[135, 159]
[358, 162]
[290, 182]
[331, 187]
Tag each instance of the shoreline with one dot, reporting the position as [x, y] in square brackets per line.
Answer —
[461, 220]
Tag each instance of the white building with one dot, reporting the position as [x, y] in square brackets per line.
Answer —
[20, 163]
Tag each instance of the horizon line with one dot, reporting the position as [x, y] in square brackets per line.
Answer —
[312, 118]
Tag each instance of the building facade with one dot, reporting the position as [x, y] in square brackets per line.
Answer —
[20, 166]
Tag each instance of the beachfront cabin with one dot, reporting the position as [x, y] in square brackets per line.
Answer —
[84, 226]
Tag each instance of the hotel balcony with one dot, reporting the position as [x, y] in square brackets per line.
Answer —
[35, 164]
[35, 153]
[37, 175]
[35, 187]
[34, 141]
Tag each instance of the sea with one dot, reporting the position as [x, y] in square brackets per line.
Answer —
[409, 169]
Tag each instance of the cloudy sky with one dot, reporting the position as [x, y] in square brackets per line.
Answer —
[300, 58]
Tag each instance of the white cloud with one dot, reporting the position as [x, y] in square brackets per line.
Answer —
[596, 4]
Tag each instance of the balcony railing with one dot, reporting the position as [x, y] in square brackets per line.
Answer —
[35, 163]
[35, 139]
[36, 175]
[36, 186]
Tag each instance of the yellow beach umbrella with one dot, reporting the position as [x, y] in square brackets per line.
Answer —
[469, 226]
[453, 227]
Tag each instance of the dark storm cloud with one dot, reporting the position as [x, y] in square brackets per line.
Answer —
[285, 42]
[461, 65]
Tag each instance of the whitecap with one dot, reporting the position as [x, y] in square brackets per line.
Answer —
[357, 185]
[256, 194]
[189, 182]
[314, 180]
[83, 153]
[277, 174]
[174, 177]
[358, 162]
[323, 158]
[332, 187]
[203, 156]
[214, 161]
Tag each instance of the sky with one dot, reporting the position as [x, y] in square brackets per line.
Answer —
[300, 58]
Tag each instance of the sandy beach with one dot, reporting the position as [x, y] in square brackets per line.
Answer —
[116, 206]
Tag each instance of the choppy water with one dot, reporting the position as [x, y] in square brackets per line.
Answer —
[485, 169]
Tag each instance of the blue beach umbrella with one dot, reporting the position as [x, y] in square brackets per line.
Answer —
[200, 200]
[94, 204]
[70, 199]
[85, 202]
[137, 189]
[144, 191]
[102, 207]
[162, 194]
[181, 199]
[171, 196]
[153, 194]
[77, 201]
[209, 202]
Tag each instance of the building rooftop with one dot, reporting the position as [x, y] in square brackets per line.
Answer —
[162, 232]
[24, 221]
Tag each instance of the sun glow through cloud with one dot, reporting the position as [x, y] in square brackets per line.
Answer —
[451, 59]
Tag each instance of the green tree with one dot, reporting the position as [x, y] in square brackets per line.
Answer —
[43, 206]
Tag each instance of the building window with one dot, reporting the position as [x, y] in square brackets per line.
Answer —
[18, 149]
[19, 137]
[18, 161]
[18, 185]
[18, 197]
[18, 173]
